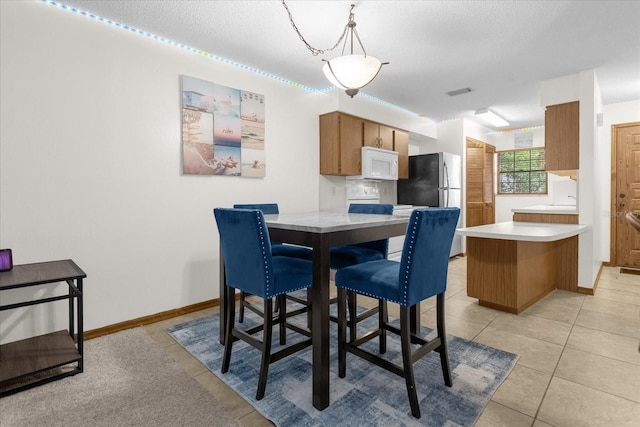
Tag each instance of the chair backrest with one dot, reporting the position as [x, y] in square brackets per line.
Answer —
[244, 239]
[266, 208]
[381, 246]
[425, 256]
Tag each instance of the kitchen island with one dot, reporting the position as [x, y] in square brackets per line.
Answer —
[512, 265]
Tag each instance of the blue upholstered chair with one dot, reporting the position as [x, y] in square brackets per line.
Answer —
[421, 274]
[348, 255]
[250, 267]
[277, 249]
[344, 256]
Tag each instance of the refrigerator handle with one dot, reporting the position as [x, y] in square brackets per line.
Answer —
[446, 203]
[446, 173]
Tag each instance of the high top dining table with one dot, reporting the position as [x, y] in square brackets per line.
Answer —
[321, 231]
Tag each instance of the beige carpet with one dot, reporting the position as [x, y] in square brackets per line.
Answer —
[128, 380]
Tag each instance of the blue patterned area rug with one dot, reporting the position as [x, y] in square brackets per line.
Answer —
[368, 395]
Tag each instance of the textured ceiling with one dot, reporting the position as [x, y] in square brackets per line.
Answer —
[502, 50]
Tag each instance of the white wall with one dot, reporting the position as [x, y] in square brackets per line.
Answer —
[90, 165]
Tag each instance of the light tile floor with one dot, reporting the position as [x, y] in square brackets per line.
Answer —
[579, 354]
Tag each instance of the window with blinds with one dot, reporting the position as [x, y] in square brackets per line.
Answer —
[522, 172]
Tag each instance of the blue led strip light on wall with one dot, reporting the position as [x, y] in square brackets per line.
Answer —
[182, 46]
[216, 57]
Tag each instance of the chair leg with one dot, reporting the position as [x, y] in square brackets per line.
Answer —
[383, 318]
[309, 308]
[405, 339]
[281, 306]
[228, 338]
[243, 297]
[342, 332]
[444, 355]
[266, 348]
[353, 315]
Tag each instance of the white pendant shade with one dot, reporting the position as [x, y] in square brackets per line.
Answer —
[352, 71]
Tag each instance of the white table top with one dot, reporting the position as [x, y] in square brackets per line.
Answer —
[328, 222]
[524, 231]
[548, 209]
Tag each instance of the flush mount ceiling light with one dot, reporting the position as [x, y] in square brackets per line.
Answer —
[351, 72]
[491, 118]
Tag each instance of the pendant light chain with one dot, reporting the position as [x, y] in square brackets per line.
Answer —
[315, 52]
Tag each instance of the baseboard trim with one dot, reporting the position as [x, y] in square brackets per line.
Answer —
[592, 291]
[153, 318]
[625, 270]
[587, 291]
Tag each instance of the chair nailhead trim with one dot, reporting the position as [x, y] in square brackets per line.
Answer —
[264, 254]
[358, 291]
[412, 242]
[290, 290]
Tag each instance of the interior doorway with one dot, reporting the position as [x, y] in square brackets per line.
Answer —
[625, 194]
[480, 200]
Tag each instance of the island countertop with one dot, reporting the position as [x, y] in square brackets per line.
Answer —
[548, 209]
[524, 231]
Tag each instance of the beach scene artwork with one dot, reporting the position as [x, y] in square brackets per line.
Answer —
[197, 127]
[222, 130]
[252, 115]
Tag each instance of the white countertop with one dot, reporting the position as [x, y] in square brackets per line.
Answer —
[525, 231]
[548, 209]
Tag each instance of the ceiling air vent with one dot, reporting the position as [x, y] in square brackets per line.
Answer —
[459, 91]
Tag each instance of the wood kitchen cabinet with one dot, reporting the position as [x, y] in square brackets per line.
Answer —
[566, 250]
[342, 137]
[562, 138]
[378, 136]
[401, 145]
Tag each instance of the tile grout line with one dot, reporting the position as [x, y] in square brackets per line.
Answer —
[553, 374]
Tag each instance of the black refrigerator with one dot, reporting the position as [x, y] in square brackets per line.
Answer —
[435, 180]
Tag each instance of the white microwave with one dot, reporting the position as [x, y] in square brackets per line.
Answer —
[378, 164]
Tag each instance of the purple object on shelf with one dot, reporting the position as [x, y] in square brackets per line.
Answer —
[6, 260]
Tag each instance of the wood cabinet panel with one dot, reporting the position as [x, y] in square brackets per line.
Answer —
[567, 264]
[377, 135]
[330, 145]
[401, 145]
[492, 270]
[548, 218]
[510, 275]
[350, 145]
[562, 137]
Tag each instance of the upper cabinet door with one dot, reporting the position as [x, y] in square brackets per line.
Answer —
[378, 136]
[350, 145]
[401, 145]
[562, 138]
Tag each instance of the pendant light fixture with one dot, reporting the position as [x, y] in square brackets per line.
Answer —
[350, 72]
